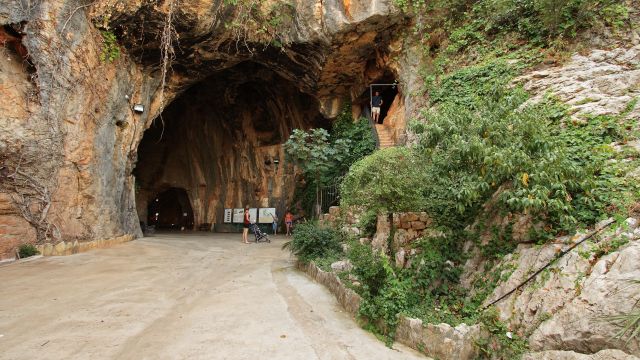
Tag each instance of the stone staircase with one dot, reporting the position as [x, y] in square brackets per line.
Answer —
[384, 136]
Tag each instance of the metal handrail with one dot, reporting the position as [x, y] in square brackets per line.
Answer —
[374, 131]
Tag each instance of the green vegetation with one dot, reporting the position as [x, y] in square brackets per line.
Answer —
[351, 138]
[266, 24]
[315, 154]
[499, 345]
[110, 49]
[313, 242]
[27, 250]
[373, 182]
[484, 151]
[629, 323]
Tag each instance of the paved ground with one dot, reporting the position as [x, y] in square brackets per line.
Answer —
[175, 296]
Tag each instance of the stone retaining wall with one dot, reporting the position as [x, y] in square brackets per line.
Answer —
[68, 248]
[440, 341]
[348, 298]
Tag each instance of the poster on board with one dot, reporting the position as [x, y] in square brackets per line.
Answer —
[253, 214]
[228, 216]
[238, 215]
[265, 215]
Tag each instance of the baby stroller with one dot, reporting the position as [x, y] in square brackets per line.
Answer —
[260, 236]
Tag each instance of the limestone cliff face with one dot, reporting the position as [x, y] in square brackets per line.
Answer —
[68, 136]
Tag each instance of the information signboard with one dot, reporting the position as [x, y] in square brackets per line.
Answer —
[253, 214]
[238, 215]
[228, 216]
[265, 215]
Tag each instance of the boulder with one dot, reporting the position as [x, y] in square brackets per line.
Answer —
[440, 341]
[341, 266]
[400, 258]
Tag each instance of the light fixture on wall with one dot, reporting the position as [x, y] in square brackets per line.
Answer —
[138, 108]
[276, 161]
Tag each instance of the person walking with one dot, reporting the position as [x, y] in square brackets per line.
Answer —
[288, 220]
[376, 103]
[275, 223]
[247, 224]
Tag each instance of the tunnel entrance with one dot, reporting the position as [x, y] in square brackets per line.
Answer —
[171, 209]
[219, 142]
[388, 94]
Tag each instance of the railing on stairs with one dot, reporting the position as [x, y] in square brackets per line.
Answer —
[374, 132]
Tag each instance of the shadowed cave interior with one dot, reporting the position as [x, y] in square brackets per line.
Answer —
[217, 143]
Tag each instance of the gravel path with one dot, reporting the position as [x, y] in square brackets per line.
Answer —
[176, 296]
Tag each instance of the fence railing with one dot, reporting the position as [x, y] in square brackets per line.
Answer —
[330, 194]
[374, 133]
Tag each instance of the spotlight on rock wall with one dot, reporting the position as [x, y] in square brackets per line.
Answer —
[138, 108]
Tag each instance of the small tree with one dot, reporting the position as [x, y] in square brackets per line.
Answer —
[315, 155]
[389, 180]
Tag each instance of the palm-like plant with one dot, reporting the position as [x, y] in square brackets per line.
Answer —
[630, 322]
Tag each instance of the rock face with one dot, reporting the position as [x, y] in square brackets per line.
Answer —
[569, 306]
[74, 137]
[440, 341]
[570, 355]
[603, 82]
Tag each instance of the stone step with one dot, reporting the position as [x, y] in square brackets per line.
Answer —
[385, 140]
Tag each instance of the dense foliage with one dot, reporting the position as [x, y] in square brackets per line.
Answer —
[355, 141]
[27, 250]
[311, 242]
[482, 150]
[484, 143]
[315, 155]
[537, 20]
[374, 182]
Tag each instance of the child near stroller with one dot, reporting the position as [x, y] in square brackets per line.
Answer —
[260, 236]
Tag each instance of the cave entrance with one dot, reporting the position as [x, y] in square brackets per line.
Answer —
[388, 94]
[171, 210]
[220, 141]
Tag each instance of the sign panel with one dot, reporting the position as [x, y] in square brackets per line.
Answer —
[253, 214]
[238, 215]
[228, 216]
[265, 215]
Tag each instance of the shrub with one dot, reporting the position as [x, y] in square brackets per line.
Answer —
[110, 49]
[388, 180]
[385, 294]
[480, 146]
[355, 138]
[27, 250]
[367, 223]
[311, 241]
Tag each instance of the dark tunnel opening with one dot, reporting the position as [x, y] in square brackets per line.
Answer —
[219, 141]
[388, 94]
[171, 209]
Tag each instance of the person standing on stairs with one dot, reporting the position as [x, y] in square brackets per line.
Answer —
[376, 103]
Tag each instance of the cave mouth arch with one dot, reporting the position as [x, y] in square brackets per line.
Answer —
[219, 141]
[171, 209]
